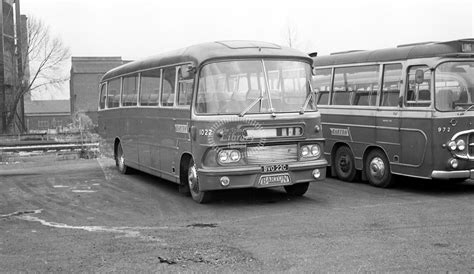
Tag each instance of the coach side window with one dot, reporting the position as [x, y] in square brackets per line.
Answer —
[150, 87]
[113, 93]
[322, 85]
[185, 87]
[168, 91]
[392, 81]
[102, 95]
[130, 90]
[418, 93]
[356, 86]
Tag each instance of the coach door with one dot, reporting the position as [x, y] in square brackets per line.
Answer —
[416, 120]
[388, 116]
[175, 119]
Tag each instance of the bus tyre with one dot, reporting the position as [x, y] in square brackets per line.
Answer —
[377, 169]
[193, 182]
[344, 164]
[120, 161]
[297, 189]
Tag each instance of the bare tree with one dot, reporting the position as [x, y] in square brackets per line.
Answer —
[43, 59]
[291, 35]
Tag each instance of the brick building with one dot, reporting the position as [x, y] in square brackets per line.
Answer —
[46, 115]
[86, 73]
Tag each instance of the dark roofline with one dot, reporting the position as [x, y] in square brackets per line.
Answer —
[403, 52]
[200, 53]
[95, 58]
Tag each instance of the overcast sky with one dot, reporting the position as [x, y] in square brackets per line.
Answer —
[139, 28]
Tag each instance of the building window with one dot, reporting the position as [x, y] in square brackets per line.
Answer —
[43, 124]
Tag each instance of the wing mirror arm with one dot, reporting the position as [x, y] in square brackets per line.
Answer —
[400, 101]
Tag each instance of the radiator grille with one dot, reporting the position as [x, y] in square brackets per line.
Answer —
[470, 143]
[272, 154]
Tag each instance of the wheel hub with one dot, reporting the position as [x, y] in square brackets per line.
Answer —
[193, 179]
[344, 163]
[377, 168]
[121, 161]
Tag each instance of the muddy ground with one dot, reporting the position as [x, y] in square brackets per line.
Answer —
[83, 216]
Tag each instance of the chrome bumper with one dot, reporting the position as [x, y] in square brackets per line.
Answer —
[454, 174]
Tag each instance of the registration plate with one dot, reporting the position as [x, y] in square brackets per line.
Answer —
[275, 179]
[275, 168]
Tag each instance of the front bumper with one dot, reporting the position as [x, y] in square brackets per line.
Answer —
[248, 176]
[454, 174]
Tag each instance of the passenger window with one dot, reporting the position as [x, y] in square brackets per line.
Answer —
[150, 87]
[185, 88]
[102, 96]
[322, 85]
[169, 77]
[356, 86]
[392, 81]
[418, 93]
[130, 90]
[113, 93]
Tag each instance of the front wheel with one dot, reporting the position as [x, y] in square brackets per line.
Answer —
[193, 182]
[297, 189]
[377, 169]
[120, 160]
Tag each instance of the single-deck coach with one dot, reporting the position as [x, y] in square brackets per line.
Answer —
[220, 115]
[407, 110]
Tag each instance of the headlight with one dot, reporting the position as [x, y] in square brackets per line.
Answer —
[315, 150]
[228, 156]
[452, 145]
[223, 157]
[305, 151]
[310, 151]
[461, 144]
[234, 155]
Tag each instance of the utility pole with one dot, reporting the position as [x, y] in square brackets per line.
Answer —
[3, 97]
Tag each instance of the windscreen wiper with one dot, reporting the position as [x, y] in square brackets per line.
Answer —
[469, 108]
[258, 99]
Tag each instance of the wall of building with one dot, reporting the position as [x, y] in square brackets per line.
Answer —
[86, 73]
[43, 123]
[85, 97]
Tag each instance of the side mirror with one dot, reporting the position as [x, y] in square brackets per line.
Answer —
[419, 76]
[187, 71]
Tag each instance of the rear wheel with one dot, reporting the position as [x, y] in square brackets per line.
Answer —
[344, 164]
[297, 189]
[120, 161]
[377, 169]
[193, 182]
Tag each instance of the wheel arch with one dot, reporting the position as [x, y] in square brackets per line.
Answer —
[116, 143]
[183, 166]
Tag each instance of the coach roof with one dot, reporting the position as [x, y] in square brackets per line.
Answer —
[403, 52]
[207, 51]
